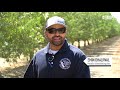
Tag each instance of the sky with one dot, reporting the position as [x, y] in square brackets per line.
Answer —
[116, 15]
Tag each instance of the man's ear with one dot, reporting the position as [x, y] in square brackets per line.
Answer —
[45, 33]
[66, 31]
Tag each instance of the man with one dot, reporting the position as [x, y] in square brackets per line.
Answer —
[58, 59]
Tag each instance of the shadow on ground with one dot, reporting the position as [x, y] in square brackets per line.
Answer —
[106, 47]
[17, 72]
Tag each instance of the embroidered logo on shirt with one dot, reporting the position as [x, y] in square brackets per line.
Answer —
[65, 63]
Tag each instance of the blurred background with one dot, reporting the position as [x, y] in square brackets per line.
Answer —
[21, 35]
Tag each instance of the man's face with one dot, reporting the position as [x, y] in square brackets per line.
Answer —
[56, 34]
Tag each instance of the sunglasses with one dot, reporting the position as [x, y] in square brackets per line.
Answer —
[50, 59]
[54, 30]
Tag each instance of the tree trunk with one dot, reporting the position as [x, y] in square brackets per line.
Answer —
[88, 42]
[31, 55]
[78, 44]
[84, 43]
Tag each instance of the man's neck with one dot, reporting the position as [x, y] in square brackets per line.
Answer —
[53, 47]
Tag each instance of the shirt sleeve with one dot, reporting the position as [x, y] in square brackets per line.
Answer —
[82, 70]
[31, 70]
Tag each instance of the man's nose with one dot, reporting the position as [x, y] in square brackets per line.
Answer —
[57, 33]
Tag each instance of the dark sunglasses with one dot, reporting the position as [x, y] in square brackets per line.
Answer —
[54, 30]
[50, 59]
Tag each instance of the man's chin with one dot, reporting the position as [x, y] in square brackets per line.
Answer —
[57, 43]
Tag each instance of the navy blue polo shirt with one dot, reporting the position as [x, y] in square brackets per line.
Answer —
[67, 63]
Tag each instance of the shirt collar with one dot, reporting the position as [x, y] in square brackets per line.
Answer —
[46, 48]
[64, 47]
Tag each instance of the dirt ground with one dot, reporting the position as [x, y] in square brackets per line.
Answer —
[13, 69]
[109, 48]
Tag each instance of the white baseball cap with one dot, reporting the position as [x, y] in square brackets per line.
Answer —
[55, 20]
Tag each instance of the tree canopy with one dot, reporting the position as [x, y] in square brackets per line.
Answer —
[22, 32]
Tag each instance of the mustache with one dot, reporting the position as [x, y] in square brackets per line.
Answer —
[56, 37]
